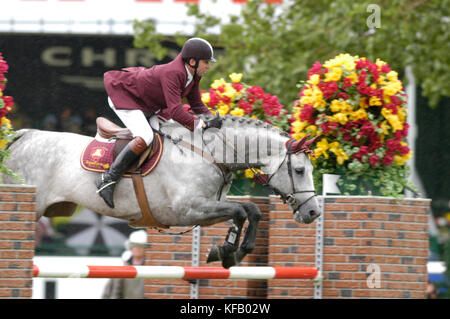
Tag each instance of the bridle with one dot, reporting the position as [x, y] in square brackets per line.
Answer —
[287, 198]
[262, 179]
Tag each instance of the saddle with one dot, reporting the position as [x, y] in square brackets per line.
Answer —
[98, 155]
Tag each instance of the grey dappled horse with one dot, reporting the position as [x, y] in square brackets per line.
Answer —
[185, 188]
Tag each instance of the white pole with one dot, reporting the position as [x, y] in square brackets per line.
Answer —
[195, 259]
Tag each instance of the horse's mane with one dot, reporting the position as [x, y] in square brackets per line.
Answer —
[237, 121]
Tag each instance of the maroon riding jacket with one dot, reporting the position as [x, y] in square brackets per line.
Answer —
[160, 87]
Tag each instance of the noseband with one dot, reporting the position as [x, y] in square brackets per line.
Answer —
[287, 198]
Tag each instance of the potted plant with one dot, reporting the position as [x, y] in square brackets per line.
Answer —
[358, 107]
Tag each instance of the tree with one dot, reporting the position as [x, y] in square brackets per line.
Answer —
[275, 45]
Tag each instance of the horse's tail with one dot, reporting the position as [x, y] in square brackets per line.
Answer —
[17, 136]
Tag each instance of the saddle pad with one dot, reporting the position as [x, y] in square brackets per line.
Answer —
[98, 157]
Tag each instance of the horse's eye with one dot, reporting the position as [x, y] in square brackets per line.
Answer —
[300, 170]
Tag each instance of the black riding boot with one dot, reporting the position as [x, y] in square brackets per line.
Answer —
[108, 180]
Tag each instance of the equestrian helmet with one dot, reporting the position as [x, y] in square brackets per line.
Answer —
[198, 49]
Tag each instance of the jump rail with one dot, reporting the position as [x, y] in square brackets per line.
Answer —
[174, 272]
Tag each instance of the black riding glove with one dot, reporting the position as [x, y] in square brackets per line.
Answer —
[215, 123]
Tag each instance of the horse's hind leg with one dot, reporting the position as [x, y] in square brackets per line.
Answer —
[227, 251]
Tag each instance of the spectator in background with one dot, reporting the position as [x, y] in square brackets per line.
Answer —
[89, 124]
[134, 255]
[50, 123]
[69, 122]
[431, 292]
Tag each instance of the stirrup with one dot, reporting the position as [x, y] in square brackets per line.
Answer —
[106, 185]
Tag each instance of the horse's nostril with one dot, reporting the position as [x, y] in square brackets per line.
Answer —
[312, 213]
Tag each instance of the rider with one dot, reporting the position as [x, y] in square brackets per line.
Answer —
[136, 91]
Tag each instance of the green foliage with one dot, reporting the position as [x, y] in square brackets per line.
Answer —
[274, 46]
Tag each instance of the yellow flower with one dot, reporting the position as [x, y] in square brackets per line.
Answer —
[374, 101]
[229, 91]
[299, 135]
[381, 80]
[312, 129]
[298, 126]
[357, 115]
[385, 127]
[392, 76]
[3, 144]
[206, 98]
[314, 79]
[393, 120]
[333, 75]
[217, 83]
[249, 173]
[321, 148]
[236, 77]
[363, 102]
[305, 99]
[339, 118]
[341, 156]
[223, 109]
[379, 63]
[402, 115]
[237, 112]
[353, 77]
[400, 160]
[335, 106]
[333, 146]
[343, 59]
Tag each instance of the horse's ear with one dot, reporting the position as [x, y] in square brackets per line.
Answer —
[294, 145]
[309, 142]
[297, 146]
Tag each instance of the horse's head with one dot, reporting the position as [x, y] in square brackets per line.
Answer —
[293, 181]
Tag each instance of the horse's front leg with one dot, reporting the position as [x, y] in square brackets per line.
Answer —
[248, 243]
[207, 212]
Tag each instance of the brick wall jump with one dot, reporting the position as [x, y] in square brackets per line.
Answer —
[362, 235]
[17, 233]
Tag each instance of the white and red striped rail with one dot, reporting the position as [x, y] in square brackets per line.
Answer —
[174, 272]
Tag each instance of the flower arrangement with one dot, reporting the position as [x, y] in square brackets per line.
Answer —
[6, 131]
[358, 109]
[240, 99]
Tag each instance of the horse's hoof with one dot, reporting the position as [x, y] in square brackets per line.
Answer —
[229, 261]
[214, 254]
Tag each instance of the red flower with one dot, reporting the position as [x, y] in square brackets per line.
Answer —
[342, 95]
[306, 112]
[347, 83]
[247, 107]
[385, 68]
[374, 159]
[237, 86]
[328, 88]
[316, 69]
[387, 160]
[328, 126]
[214, 98]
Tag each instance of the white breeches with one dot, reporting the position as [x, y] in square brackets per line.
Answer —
[137, 123]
